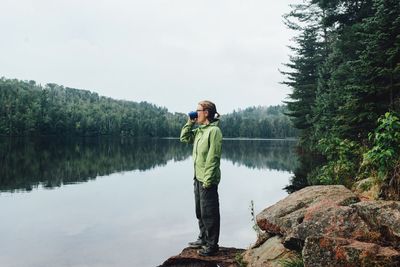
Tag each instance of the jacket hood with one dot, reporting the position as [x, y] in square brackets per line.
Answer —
[215, 122]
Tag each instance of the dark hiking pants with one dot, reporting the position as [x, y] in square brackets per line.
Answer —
[207, 212]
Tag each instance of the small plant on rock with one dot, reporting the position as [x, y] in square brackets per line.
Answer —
[256, 228]
[239, 260]
[294, 261]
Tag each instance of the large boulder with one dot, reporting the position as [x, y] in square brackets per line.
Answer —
[327, 219]
[331, 227]
[383, 217]
[269, 254]
[336, 252]
[315, 210]
[290, 211]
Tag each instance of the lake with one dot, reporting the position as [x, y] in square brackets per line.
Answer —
[122, 202]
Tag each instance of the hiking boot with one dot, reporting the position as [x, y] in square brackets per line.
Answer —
[208, 251]
[197, 244]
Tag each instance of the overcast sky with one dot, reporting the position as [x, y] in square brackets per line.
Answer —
[172, 53]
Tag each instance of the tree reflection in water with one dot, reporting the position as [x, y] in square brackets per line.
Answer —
[51, 162]
[262, 154]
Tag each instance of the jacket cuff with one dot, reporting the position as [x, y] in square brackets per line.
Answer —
[190, 123]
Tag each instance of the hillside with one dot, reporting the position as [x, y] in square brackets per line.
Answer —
[30, 109]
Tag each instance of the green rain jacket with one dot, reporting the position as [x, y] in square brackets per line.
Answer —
[207, 144]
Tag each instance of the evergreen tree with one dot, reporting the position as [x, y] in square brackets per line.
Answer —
[358, 79]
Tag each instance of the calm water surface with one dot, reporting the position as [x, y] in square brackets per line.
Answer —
[97, 202]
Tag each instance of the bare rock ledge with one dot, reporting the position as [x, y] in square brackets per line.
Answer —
[189, 258]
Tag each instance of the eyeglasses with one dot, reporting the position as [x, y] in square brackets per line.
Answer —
[200, 110]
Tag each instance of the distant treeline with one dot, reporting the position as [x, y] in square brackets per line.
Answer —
[30, 109]
[266, 122]
[27, 108]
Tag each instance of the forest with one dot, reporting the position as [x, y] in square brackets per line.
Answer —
[258, 122]
[30, 109]
[344, 72]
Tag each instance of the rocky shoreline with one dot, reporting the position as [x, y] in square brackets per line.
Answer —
[323, 226]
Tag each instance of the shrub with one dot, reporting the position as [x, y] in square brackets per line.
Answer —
[343, 157]
[385, 151]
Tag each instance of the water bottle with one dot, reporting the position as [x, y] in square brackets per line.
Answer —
[192, 115]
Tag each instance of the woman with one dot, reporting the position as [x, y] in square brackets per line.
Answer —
[207, 143]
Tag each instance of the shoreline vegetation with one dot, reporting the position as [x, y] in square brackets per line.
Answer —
[344, 73]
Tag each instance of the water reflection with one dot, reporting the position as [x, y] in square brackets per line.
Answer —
[262, 154]
[27, 163]
[54, 162]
